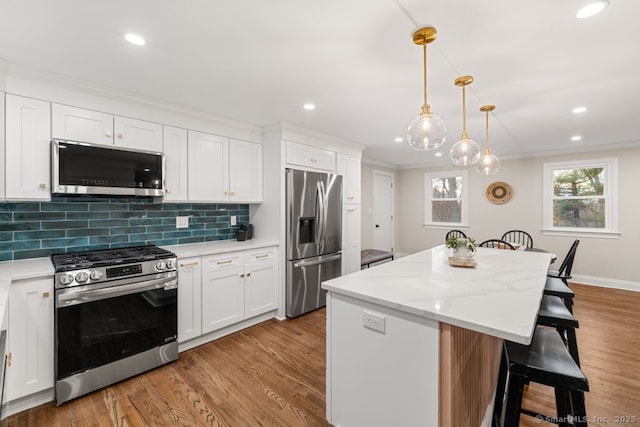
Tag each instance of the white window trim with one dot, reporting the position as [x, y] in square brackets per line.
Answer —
[428, 222]
[611, 196]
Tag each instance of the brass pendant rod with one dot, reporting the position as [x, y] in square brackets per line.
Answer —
[486, 143]
[464, 110]
[424, 71]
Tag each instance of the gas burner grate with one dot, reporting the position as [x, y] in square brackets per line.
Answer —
[87, 259]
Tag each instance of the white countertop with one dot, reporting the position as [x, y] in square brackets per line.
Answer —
[217, 247]
[500, 296]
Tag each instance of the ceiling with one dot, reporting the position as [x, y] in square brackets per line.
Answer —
[259, 61]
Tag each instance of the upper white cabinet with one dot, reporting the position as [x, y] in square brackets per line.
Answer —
[310, 157]
[349, 167]
[78, 124]
[139, 134]
[224, 170]
[30, 338]
[1, 145]
[27, 148]
[176, 152]
[208, 167]
[245, 171]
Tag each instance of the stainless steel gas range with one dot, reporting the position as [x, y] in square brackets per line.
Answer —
[115, 316]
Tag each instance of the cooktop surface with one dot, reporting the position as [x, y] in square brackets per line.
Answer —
[79, 260]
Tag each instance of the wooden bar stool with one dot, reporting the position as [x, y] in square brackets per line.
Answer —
[554, 313]
[545, 361]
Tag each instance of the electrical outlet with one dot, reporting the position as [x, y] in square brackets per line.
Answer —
[182, 222]
[233, 220]
[374, 321]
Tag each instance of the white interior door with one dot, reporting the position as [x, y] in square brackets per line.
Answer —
[383, 211]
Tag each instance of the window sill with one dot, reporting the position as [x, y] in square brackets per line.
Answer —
[442, 226]
[595, 234]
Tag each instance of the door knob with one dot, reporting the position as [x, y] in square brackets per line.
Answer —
[377, 225]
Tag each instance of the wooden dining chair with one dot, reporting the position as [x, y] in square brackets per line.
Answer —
[518, 236]
[497, 244]
[455, 233]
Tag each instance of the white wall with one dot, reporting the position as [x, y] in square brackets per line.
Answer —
[598, 261]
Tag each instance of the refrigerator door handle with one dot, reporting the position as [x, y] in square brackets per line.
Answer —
[318, 260]
[321, 216]
[324, 215]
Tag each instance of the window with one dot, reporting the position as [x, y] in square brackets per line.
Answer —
[581, 198]
[446, 199]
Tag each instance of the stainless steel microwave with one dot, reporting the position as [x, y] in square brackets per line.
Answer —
[83, 168]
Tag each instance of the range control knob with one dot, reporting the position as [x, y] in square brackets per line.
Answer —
[82, 277]
[65, 279]
[161, 265]
[96, 274]
[171, 264]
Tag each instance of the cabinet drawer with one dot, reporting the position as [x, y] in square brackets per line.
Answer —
[261, 255]
[229, 260]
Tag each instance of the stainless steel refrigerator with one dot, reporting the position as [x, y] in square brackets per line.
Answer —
[314, 237]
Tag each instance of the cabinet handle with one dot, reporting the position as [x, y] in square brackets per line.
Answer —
[248, 274]
[189, 264]
[262, 256]
[242, 275]
[226, 193]
[107, 134]
[9, 356]
[45, 295]
[233, 193]
[225, 262]
[42, 186]
[167, 190]
[119, 135]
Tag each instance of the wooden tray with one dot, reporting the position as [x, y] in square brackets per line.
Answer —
[466, 263]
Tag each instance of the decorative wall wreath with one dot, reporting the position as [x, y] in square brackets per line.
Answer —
[499, 192]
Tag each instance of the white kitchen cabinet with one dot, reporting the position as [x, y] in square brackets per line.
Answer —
[222, 290]
[208, 167]
[245, 171]
[310, 157]
[79, 124]
[2, 145]
[261, 282]
[138, 134]
[30, 365]
[350, 169]
[175, 151]
[27, 148]
[351, 245]
[189, 298]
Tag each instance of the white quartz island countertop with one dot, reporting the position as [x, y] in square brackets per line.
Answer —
[499, 297]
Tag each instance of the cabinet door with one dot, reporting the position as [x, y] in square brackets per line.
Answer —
[261, 283]
[175, 152]
[30, 338]
[310, 157]
[324, 159]
[222, 291]
[350, 239]
[78, 124]
[28, 136]
[349, 168]
[1, 145]
[245, 171]
[208, 167]
[139, 134]
[189, 298]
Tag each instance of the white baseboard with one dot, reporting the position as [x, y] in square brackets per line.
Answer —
[606, 283]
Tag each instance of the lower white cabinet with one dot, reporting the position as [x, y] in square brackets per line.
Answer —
[216, 291]
[189, 297]
[351, 245]
[30, 338]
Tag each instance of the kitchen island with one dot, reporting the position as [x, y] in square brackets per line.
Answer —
[417, 342]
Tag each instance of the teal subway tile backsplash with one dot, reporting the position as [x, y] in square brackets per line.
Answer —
[32, 229]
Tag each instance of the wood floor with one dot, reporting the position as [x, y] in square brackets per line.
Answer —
[273, 374]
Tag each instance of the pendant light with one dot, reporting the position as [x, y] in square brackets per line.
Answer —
[427, 131]
[466, 151]
[488, 163]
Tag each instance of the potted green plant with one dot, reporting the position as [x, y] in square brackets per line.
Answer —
[463, 247]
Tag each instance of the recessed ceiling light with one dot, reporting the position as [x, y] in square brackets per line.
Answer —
[576, 138]
[309, 106]
[135, 39]
[592, 9]
[579, 110]
[438, 154]
[399, 139]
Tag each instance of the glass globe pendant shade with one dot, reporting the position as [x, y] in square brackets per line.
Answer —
[426, 132]
[488, 163]
[465, 152]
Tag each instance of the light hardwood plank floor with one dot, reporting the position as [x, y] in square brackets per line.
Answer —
[273, 374]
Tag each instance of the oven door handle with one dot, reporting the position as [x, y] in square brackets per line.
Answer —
[82, 297]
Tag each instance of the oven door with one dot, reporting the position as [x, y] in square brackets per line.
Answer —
[99, 326]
